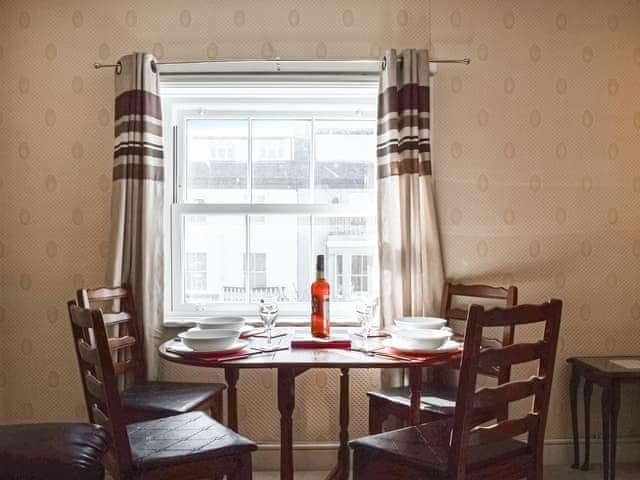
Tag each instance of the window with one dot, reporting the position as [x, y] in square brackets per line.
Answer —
[267, 175]
[339, 283]
[360, 274]
[257, 270]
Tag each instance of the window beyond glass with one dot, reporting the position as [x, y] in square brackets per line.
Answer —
[260, 190]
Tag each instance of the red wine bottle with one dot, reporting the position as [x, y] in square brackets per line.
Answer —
[320, 310]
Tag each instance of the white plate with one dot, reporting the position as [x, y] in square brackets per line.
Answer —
[181, 348]
[450, 346]
[243, 330]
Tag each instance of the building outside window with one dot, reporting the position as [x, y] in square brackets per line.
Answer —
[257, 270]
[196, 271]
[339, 283]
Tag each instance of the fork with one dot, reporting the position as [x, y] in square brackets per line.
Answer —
[373, 353]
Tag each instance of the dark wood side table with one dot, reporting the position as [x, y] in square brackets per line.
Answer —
[609, 373]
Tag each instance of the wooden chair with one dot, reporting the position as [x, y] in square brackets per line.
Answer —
[142, 399]
[459, 448]
[186, 446]
[437, 398]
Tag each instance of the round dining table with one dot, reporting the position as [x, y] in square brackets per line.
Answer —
[291, 362]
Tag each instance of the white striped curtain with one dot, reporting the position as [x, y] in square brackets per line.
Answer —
[411, 270]
[136, 250]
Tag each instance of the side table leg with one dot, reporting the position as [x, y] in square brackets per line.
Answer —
[573, 394]
[341, 470]
[286, 404]
[615, 408]
[231, 376]
[588, 390]
[343, 451]
[415, 384]
[606, 431]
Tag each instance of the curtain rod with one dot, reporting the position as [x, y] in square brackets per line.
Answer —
[118, 66]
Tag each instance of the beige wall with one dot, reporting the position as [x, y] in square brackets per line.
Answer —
[536, 150]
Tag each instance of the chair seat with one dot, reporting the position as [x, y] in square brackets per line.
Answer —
[433, 398]
[188, 437]
[168, 398]
[52, 450]
[426, 446]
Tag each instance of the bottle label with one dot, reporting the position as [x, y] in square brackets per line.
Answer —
[326, 310]
[320, 306]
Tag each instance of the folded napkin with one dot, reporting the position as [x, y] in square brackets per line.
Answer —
[334, 341]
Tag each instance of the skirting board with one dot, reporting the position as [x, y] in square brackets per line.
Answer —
[322, 456]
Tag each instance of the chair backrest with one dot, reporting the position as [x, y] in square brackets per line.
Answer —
[501, 296]
[121, 322]
[471, 402]
[99, 379]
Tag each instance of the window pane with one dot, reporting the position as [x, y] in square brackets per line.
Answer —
[281, 156]
[345, 161]
[220, 241]
[349, 244]
[217, 160]
[280, 246]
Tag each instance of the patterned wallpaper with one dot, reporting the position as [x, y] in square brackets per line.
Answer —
[536, 148]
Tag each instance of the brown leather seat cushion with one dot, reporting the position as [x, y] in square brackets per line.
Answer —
[71, 451]
[433, 398]
[427, 447]
[191, 436]
[168, 398]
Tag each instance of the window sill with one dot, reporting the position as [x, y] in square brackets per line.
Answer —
[186, 321]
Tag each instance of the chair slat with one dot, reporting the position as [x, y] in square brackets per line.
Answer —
[87, 352]
[511, 354]
[489, 371]
[101, 419]
[503, 430]
[480, 291]
[507, 392]
[520, 315]
[82, 319]
[456, 314]
[95, 387]
[118, 343]
[106, 293]
[111, 319]
[123, 367]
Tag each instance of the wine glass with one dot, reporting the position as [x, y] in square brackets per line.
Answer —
[268, 314]
[365, 312]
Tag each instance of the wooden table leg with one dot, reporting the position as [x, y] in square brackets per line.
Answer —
[615, 408]
[606, 430]
[588, 390]
[231, 376]
[341, 470]
[415, 385]
[573, 394]
[286, 404]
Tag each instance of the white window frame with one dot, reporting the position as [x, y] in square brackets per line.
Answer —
[352, 101]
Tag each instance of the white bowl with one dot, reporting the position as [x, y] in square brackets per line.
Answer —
[426, 338]
[421, 322]
[221, 323]
[209, 340]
